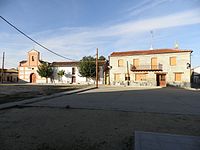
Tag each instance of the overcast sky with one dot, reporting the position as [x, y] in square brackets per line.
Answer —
[75, 28]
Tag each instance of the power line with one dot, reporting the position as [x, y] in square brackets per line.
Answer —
[33, 39]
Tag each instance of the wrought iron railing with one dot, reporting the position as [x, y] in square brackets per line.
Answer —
[146, 67]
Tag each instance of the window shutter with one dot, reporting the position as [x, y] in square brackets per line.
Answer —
[178, 76]
[136, 63]
[172, 61]
[117, 77]
[154, 63]
[120, 63]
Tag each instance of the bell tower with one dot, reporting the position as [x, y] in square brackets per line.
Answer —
[33, 58]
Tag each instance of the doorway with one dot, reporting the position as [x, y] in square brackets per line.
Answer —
[32, 78]
[73, 79]
[161, 80]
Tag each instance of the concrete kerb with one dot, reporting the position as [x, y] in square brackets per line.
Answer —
[192, 89]
[37, 99]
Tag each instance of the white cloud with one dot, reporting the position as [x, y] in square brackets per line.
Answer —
[77, 42]
[87, 38]
[144, 6]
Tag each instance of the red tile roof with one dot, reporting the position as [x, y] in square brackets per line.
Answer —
[23, 61]
[72, 63]
[9, 70]
[66, 63]
[148, 52]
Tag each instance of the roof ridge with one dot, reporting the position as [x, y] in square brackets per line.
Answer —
[146, 52]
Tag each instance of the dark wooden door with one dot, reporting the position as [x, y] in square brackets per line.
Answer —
[161, 80]
[73, 79]
[33, 78]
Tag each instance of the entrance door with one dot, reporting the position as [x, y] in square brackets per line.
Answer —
[73, 79]
[161, 80]
[32, 78]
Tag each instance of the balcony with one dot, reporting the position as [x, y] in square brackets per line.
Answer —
[147, 68]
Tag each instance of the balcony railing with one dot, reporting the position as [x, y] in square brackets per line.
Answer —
[147, 68]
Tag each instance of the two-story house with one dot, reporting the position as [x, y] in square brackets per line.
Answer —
[158, 67]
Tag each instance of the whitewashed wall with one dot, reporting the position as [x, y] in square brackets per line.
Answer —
[67, 78]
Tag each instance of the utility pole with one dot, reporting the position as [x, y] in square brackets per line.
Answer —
[2, 69]
[97, 68]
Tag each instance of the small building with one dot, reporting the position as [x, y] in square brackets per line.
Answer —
[158, 67]
[9, 75]
[196, 75]
[72, 75]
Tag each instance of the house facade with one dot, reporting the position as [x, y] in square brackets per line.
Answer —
[159, 67]
[28, 71]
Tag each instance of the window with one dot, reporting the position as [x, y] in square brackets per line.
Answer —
[117, 77]
[154, 63]
[172, 61]
[140, 77]
[178, 76]
[120, 63]
[32, 58]
[73, 71]
[135, 63]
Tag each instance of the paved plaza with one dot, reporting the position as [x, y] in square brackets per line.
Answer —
[155, 100]
[101, 119]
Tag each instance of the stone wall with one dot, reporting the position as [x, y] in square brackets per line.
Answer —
[183, 60]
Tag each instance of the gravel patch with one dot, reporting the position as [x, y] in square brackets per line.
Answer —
[44, 128]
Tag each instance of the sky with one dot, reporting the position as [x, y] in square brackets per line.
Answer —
[75, 28]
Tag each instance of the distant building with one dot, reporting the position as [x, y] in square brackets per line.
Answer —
[196, 75]
[28, 68]
[8, 75]
[28, 71]
[159, 67]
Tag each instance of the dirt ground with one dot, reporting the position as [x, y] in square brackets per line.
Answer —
[17, 92]
[43, 128]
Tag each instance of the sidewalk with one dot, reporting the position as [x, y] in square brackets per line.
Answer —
[37, 99]
[164, 141]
